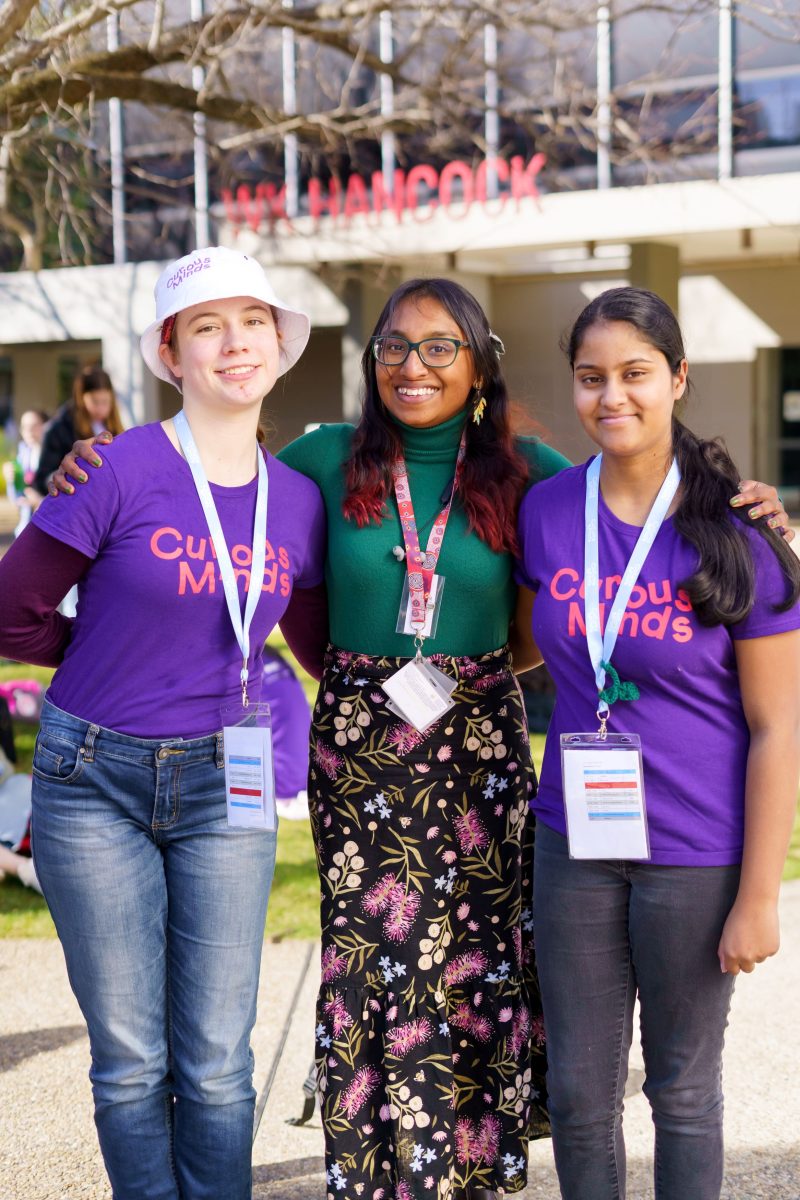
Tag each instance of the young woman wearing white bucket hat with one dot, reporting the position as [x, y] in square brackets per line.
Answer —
[153, 816]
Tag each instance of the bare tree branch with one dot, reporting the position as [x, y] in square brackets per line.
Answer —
[13, 15]
[108, 74]
[56, 74]
[40, 47]
[158, 25]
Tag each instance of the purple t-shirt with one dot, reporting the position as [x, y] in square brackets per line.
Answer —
[689, 715]
[153, 652]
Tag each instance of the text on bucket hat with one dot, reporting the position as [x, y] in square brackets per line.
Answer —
[217, 273]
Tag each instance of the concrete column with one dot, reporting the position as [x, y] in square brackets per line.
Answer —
[364, 292]
[156, 401]
[446, 266]
[656, 266]
[124, 364]
[353, 336]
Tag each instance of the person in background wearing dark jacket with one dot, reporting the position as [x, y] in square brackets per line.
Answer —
[92, 409]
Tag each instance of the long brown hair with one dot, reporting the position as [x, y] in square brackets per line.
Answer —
[93, 379]
[494, 474]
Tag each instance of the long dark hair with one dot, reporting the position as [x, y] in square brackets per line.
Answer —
[722, 589]
[494, 474]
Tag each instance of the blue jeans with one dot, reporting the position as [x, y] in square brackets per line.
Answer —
[160, 908]
[605, 932]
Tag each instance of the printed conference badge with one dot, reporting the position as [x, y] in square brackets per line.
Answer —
[603, 786]
[249, 769]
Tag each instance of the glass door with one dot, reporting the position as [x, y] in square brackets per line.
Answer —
[788, 427]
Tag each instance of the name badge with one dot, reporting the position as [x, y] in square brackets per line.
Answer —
[420, 693]
[432, 609]
[249, 769]
[603, 786]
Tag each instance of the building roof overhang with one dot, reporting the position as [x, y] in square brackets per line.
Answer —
[756, 217]
[94, 303]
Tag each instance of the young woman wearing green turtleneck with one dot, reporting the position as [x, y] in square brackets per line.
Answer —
[363, 600]
[429, 1031]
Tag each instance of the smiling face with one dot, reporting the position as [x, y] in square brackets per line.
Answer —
[419, 395]
[225, 352]
[625, 391]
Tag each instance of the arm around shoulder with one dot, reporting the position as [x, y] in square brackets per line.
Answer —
[525, 654]
[543, 461]
[317, 453]
[305, 627]
[304, 624]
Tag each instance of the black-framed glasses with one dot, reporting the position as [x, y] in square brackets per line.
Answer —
[392, 351]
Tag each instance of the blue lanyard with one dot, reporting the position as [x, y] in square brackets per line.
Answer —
[601, 645]
[241, 625]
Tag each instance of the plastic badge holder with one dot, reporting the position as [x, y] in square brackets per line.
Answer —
[419, 693]
[604, 801]
[249, 766]
[433, 608]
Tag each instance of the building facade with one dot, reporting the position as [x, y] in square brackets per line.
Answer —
[683, 175]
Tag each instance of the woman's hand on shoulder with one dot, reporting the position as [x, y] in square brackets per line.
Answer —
[750, 935]
[765, 502]
[69, 467]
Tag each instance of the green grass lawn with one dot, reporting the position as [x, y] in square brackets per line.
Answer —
[293, 906]
[294, 901]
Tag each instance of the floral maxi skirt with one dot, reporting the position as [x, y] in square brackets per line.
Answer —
[429, 1032]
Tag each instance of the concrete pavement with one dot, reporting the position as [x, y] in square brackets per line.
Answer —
[47, 1134]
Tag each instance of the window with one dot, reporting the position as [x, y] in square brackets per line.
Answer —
[789, 420]
[6, 390]
[549, 89]
[665, 83]
[68, 367]
[653, 48]
[767, 75]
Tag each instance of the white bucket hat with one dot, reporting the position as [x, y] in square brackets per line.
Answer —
[217, 273]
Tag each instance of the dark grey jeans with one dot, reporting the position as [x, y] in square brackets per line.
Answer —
[607, 931]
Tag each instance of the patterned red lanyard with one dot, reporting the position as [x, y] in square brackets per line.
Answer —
[421, 567]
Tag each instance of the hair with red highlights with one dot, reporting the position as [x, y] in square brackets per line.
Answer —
[494, 474]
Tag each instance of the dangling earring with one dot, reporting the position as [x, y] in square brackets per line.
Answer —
[478, 411]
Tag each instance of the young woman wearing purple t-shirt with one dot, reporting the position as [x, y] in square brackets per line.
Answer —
[705, 671]
[158, 898]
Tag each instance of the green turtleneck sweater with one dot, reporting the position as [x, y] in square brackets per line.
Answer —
[365, 580]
